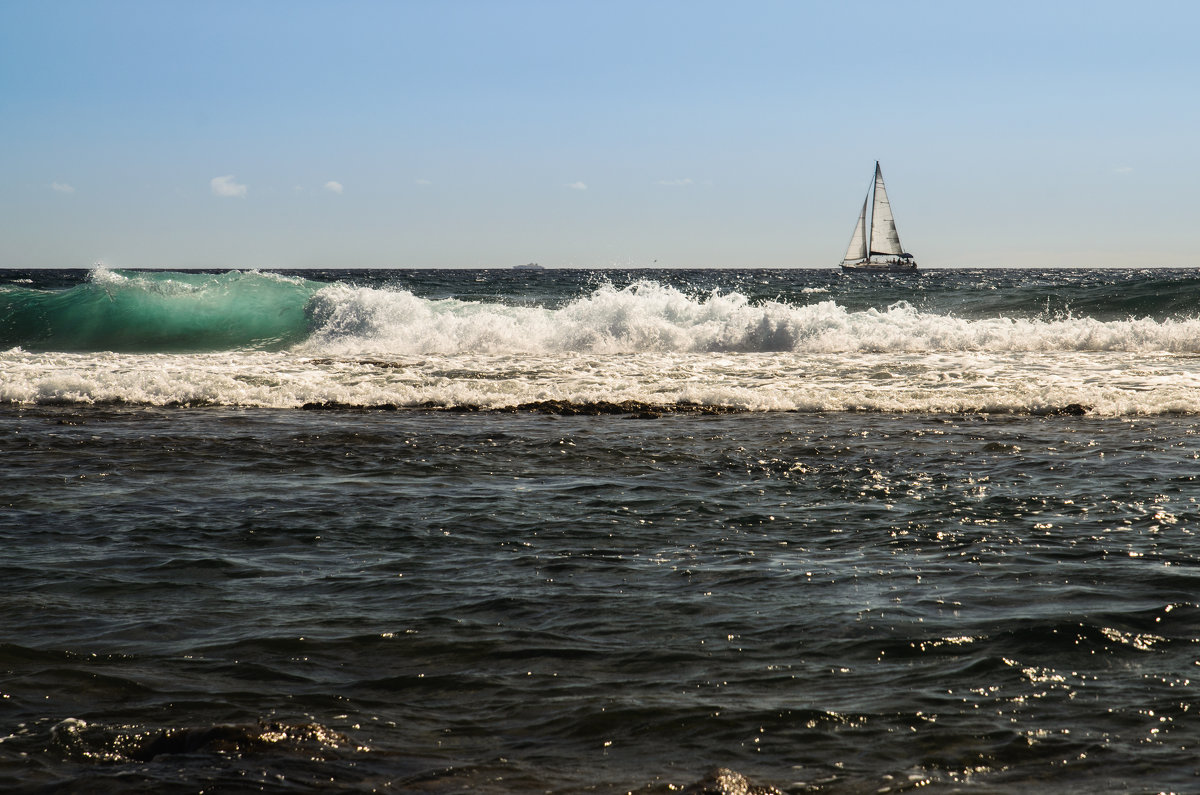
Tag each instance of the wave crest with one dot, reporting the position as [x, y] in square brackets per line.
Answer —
[147, 312]
[131, 311]
[648, 317]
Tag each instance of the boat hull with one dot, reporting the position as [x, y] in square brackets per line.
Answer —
[882, 267]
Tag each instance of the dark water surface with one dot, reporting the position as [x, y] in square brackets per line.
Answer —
[227, 599]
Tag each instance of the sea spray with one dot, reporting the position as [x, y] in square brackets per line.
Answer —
[128, 311]
[652, 317]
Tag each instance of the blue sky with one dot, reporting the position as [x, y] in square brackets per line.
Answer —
[465, 133]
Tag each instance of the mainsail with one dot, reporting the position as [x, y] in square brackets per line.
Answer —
[884, 238]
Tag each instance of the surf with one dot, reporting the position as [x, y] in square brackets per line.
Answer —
[649, 317]
[187, 312]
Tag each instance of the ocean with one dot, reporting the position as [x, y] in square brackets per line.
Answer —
[509, 531]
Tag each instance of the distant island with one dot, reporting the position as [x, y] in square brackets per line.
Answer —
[530, 266]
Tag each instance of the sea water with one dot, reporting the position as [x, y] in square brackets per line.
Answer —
[571, 531]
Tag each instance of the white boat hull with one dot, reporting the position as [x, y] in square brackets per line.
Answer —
[881, 267]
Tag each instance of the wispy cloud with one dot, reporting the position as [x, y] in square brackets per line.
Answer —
[225, 186]
[333, 186]
[422, 182]
[61, 187]
[1123, 170]
[577, 185]
[678, 183]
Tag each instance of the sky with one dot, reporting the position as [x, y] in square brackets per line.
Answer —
[594, 133]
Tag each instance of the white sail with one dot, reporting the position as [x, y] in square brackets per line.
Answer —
[858, 241]
[884, 238]
[877, 237]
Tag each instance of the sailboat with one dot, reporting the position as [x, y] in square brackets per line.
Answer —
[879, 239]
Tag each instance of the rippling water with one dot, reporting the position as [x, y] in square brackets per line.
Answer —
[236, 593]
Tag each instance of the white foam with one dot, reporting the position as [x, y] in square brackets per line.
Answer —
[649, 317]
[1110, 383]
[653, 344]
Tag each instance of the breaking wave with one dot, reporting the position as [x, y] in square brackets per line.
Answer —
[141, 312]
[648, 317]
[147, 312]
[265, 340]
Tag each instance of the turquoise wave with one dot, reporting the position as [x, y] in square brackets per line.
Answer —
[162, 311]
